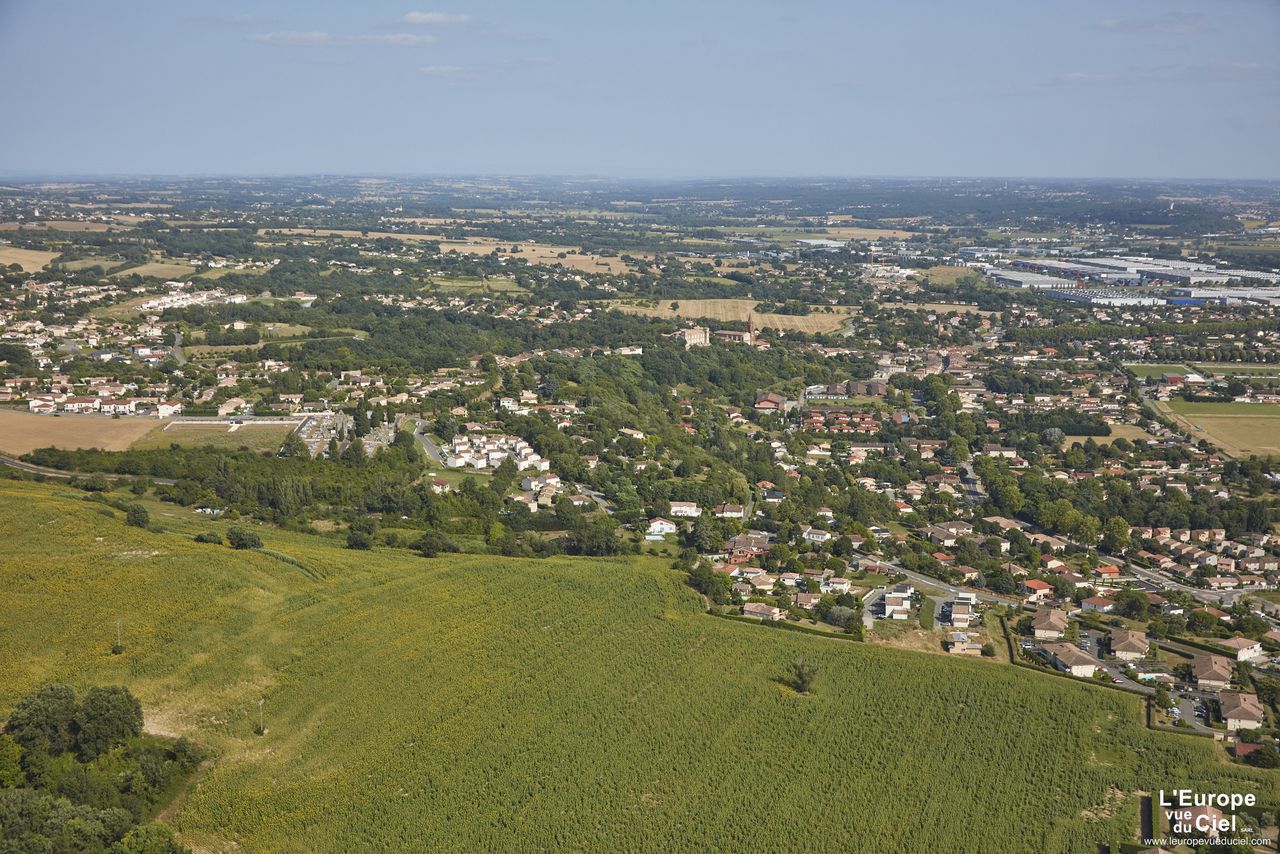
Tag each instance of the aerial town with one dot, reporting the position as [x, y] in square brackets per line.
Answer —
[1045, 442]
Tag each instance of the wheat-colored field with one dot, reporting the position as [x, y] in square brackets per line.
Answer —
[1118, 431]
[534, 253]
[61, 225]
[22, 432]
[1240, 429]
[92, 261]
[158, 269]
[30, 260]
[740, 310]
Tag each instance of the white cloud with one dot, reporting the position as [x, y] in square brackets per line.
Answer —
[312, 37]
[435, 19]
[1173, 24]
[315, 38]
[396, 40]
[441, 70]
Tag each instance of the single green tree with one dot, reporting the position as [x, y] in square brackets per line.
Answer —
[11, 776]
[44, 720]
[107, 717]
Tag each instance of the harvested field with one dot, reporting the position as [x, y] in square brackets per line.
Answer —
[1239, 429]
[159, 270]
[22, 432]
[948, 275]
[942, 308]
[1118, 431]
[738, 310]
[93, 261]
[30, 260]
[534, 253]
[62, 225]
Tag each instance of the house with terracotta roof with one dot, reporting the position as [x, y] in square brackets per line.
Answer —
[1211, 672]
[1129, 645]
[1069, 658]
[1036, 591]
[1241, 711]
[761, 611]
[1049, 624]
[1245, 649]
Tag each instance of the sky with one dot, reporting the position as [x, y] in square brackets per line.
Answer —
[646, 89]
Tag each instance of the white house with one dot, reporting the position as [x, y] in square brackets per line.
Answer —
[1071, 659]
[659, 527]
[814, 535]
[1245, 649]
[685, 509]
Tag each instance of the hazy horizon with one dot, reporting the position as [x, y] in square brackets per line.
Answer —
[1131, 90]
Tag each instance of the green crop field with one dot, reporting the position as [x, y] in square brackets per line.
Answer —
[1145, 370]
[488, 703]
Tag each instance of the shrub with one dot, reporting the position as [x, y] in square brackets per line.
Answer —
[840, 616]
[239, 538]
[801, 674]
[433, 543]
[209, 537]
[137, 516]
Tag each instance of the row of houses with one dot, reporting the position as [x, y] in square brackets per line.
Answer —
[48, 404]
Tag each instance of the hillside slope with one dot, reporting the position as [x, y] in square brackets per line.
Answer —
[478, 702]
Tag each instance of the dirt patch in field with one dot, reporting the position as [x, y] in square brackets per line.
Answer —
[1237, 434]
[534, 253]
[30, 260]
[23, 432]
[62, 225]
[738, 310]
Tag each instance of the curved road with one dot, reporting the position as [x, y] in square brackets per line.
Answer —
[48, 472]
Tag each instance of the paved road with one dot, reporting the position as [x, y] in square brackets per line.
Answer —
[48, 472]
[34, 469]
[431, 448]
[178, 355]
[974, 491]
[597, 497]
[868, 604]
[950, 588]
[1187, 705]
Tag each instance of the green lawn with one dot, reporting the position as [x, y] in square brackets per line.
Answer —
[487, 703]
[255, 437]
[1144, 370]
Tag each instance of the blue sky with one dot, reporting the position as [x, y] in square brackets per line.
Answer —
[1138, 88]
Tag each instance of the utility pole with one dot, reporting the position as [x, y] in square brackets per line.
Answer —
[262, 729]
[118, 633]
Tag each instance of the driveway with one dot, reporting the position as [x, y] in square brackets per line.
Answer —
[949, 588]
[1187, 705]
[868, 605]
[431, 448]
